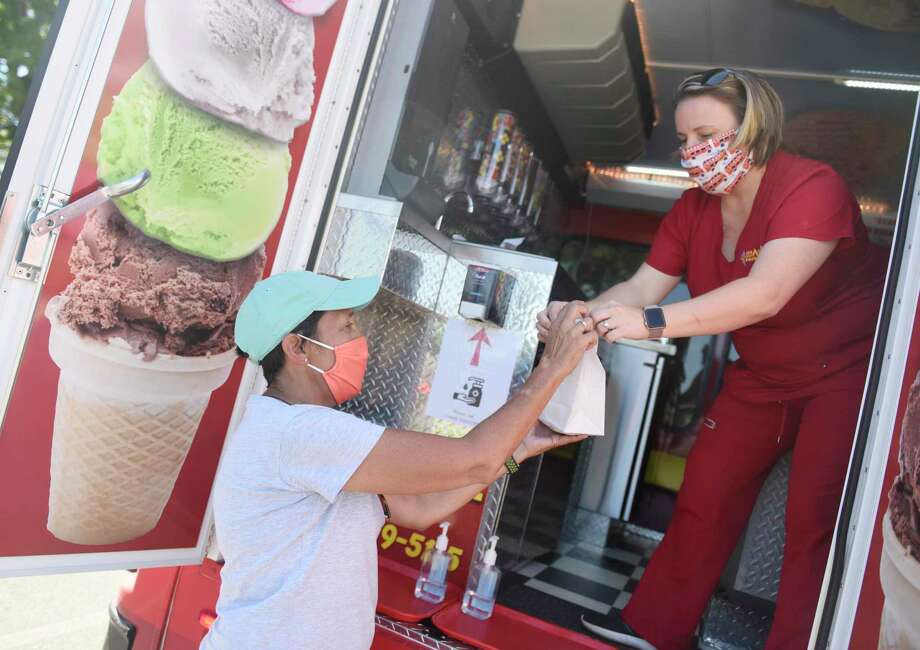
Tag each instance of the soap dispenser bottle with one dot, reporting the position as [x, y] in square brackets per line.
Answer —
[432, 579]
[482, 585]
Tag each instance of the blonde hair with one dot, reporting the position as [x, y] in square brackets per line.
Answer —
[756, 105]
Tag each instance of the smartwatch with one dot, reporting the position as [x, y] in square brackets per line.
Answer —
[653, 315]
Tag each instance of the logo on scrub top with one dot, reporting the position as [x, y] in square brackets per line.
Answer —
[749, 257]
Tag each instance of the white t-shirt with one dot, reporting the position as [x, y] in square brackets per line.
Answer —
[300, 555]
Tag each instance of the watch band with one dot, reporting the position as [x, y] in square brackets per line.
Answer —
[511, 465]
[654, 332]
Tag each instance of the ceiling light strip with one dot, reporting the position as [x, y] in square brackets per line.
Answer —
[877, 80]
[657, 171]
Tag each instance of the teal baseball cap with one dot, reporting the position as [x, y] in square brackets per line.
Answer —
[279, 303]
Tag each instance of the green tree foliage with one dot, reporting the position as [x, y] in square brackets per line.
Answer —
[24, 27]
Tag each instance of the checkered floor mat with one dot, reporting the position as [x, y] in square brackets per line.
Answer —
[561, 585]
[588, 576]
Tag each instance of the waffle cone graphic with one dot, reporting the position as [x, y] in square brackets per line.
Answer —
[122, 429]
[900, 577]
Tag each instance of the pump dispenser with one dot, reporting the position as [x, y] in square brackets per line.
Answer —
[432, 579]
[482, 585]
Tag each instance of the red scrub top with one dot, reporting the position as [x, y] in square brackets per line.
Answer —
[821, 339]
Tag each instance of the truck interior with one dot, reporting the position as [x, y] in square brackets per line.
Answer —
[581, 94]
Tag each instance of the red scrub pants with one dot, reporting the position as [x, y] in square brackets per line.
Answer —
[737, 447]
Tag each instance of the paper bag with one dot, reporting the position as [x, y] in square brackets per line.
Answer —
[578, 405]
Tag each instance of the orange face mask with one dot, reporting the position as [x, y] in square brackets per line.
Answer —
[346, 376]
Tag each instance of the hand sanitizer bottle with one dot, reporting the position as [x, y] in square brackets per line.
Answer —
[432, 579]
[482, 585]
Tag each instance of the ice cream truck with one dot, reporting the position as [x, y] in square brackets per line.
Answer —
[482, 157]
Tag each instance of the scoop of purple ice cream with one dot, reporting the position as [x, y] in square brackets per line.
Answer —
[160, 300]
[904, 499]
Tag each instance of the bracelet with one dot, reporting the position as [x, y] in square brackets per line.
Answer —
[511, 465]
[386, 507]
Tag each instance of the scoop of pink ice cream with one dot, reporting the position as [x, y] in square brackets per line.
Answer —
[130, 286]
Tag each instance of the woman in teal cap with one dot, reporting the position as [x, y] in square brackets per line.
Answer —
[303, 489]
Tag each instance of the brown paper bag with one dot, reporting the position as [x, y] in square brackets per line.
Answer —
[577, 407]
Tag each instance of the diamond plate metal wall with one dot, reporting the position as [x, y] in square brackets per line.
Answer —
[359, 237]
[733, 626]
[399, 337]
[405, 327]
[403, 273]
[729, 625]
[762, 548]
[425, 286]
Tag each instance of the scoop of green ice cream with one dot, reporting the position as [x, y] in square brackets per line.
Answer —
[216, 190]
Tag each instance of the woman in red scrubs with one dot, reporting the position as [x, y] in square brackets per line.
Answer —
[775, 252]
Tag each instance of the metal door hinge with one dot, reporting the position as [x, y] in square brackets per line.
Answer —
[33, 249]
[49, 210]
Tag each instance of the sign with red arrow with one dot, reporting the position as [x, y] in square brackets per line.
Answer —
[474, 373]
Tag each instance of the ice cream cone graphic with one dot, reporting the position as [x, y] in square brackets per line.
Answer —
[900, 577]
[142, 337]
[122, 429]
[144, 333]
[900, 565]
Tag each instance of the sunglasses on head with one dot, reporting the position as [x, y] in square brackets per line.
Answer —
[712, 78]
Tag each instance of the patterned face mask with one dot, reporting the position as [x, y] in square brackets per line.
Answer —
[715, 166]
